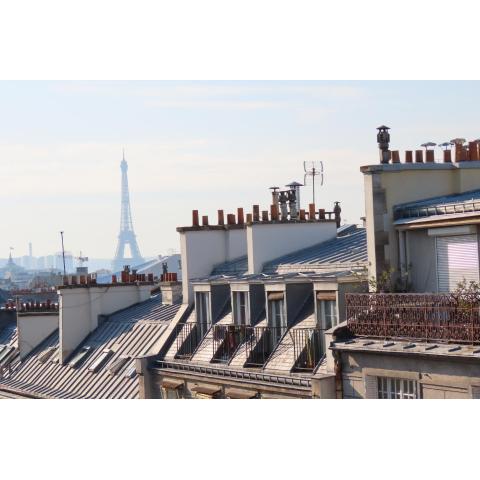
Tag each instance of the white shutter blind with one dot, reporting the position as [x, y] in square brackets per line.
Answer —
[371, 386]
[457, 259]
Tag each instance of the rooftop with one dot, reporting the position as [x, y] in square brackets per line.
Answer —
[406, 347]
[347, 251]
[103, 365]
[444, 207]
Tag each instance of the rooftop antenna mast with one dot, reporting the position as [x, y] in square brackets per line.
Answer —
[63, 255]
[312, 170]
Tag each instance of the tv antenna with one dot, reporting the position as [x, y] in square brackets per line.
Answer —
[312, 170]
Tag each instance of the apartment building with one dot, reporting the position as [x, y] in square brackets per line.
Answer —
[418, 336]
[261, 294]
[87, 345]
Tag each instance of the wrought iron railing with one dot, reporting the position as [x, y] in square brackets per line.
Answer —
[429, 317]
[188, 337]
[260, 342]
[307, 348]
[226, 340]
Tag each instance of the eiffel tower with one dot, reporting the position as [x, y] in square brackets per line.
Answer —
[126, 235]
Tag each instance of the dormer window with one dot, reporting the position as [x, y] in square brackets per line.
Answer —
[241, 308]
[203, 311]
[326, 310]
[277, 318]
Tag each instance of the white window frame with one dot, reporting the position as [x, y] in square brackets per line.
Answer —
[238, 305]
[397, 388]
[276, 309]
[322, 314]
[202, 306]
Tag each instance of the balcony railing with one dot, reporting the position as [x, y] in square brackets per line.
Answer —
[226, 340]
[307, 348]
[188, 337]
[260, 342]
[428, 317]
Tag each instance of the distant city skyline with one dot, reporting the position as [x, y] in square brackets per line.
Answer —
[196, 145]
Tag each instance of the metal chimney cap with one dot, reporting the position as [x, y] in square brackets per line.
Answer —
[446, 145]
[428, 144]
[460, 141]
[294, 184]
[383, 127]
[274, 188]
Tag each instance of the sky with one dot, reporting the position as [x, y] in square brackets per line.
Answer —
[197, 145]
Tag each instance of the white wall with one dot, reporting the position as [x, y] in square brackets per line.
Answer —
[201, 250]
[80, 308]
[33, 329]
[269, 241]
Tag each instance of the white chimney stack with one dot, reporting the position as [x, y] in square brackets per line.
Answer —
[81, 306]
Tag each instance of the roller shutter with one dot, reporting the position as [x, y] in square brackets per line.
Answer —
[457, 259]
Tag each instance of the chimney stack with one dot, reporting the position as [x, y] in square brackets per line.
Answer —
[311, 211]
[205, 220]
[256, 213]
[418, 156]
[383, 140]
[408, 156]
[231, 219]
[337, 211]
[195, 218]
[473, 149]
[274, 195]
[221, 219]
[240, 216]
[264, 215]
[459, 150]
[395, 156]
[274, 212]
[447, 156]
[430, 156]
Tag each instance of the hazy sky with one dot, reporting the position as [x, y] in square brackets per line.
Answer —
[203, 145]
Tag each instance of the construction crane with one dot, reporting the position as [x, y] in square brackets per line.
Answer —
[81, 259]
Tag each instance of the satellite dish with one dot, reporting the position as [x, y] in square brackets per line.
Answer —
[312, 170]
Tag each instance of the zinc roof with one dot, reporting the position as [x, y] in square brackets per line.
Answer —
[348, 249]
[467, 202]
[131, 332]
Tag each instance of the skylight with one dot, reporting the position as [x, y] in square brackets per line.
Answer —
[100, 361]
[6, 356]
[131, 372]
[118, 364]
[80, 357]
[45, 355]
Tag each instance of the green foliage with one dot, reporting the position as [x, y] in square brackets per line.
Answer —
[390, 281]
[467, 293]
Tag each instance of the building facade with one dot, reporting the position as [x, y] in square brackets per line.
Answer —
[418, 334]
[261, 294]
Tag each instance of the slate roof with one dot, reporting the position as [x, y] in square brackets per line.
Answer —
[452, 205]
[131, 333]
[8, 331]
[349, 249]
[238, 266]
